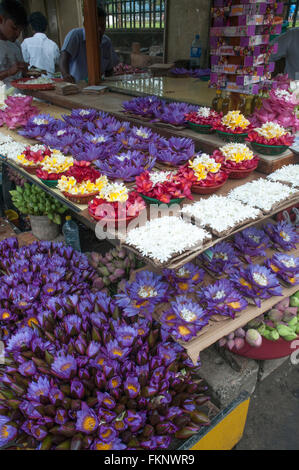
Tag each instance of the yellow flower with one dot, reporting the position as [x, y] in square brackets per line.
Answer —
[237, 152]
[235, 119]
[271, 130]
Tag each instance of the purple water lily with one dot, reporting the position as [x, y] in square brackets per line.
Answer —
[284, 266]
[87, 421]
[8, 431]
[185, 279]
[283, 235]
[256, 282]
[184, 319]
[64, 366]
[79, 117]
[220, 259]
[251, 242]
[174, 113]
[37, 126]
[143, 294]
[116, 444]
[38, 389]
[222, 298]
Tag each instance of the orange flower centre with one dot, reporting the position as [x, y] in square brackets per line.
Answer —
[89, 423]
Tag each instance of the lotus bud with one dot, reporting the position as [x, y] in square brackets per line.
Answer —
[289, 314]
[96, 335]
[109, 256]
[240, 333]
[104, 271]
[95, 257]
[77, 442]
[47, 443]
[231, 336]
[119, 273]
[230, 344]
[290, 337]
[297, 329]
[106, 281]
[253, 338]
[255, 323]
[202, 400]
[148, 431]
[200, 418]
[93, 349]
[222, 342]
[283, 304]
[110, 268]
[284, 330]
[274, 335]
[66, 445]
[122, 253]
[80, 345]
[293, 322]
[126, 263]
[187, 432]
[112, 278]
[270, 325]
[98, 283]
[275, 315]
[239, 343]
[262, 328]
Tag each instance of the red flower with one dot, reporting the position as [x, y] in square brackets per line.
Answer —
[231, 165]
[195, 118]
[44, 175]
[83, 171]
[287, 139]
[175, 187]
[100, 208]
[38, 156]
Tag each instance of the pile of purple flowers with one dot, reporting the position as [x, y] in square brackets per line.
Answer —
[175, 151]
[222, 298]
[159, 110]
[126, 165]
[82, 374]
[32, 276]
[220, 259]
[251, 242]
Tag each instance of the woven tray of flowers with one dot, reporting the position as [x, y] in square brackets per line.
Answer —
[202, 120]
[205, 174]
[270, 139]
[81, 192]
[163, 187]
[173, 152]
[237, 159]
[31, 160]
[233, 127]
[116, 205]
[53, 167]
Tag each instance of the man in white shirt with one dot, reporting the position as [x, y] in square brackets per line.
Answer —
[39, 51]
[288, 47]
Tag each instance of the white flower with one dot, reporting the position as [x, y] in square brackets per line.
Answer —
[204, 112]
[219, 213]
[262, 194]
[12, 150]
[142, 134]
[39, 81]
[161, 239]
[157, 177]
[271, 130]
[284, 94]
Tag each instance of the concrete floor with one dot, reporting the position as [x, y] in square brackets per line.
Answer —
[273, 417]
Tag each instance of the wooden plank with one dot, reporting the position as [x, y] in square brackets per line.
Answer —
[92, 42]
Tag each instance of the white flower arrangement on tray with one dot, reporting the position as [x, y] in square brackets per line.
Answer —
[220, 214]
[263, 194]
[161, 239]
[287, 174]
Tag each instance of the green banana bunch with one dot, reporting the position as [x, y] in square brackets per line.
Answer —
[33, 200]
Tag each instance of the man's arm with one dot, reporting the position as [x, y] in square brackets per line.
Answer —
[64, 65]
[13, 70]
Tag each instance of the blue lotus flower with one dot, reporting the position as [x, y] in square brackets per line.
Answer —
[221, 298]
[8, 432]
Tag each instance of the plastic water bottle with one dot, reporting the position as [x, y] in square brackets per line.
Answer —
[70, 231]
[195, 53]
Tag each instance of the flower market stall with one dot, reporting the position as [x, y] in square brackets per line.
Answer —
[103, 351]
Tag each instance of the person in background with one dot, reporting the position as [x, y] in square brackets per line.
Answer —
[39, 51]
[73, 58]
[288, 48]
[13, 19]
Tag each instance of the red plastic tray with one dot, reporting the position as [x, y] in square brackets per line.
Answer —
[268, 350]
[21, 84]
